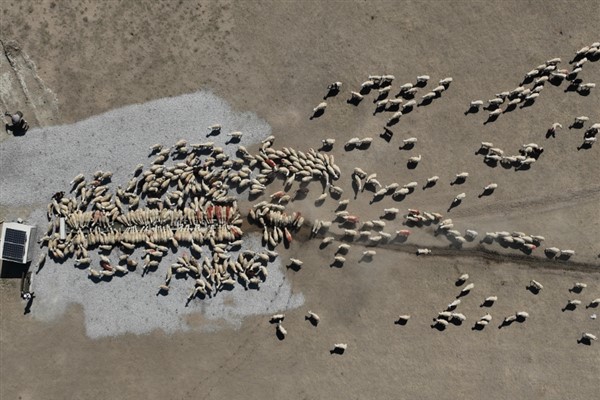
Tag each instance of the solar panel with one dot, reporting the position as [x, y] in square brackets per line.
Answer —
[13, 251]
[14, 236]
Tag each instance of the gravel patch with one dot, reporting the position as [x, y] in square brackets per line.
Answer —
[45, 160]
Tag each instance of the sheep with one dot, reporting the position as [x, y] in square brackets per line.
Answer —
[402, 319]
[495, 113]
[430, 95]
[281, 331]
[327, 240]
[384, 90]
[339, 259]
[215, 128]
[476, 104]
[313, 318]
[328, 143]
[495, 102]
[462, 176]
[574, 303]
[578, 287]
[339, 348]
[580, 120]
[463, 278]
[295, 262]
[588, 337]
[276, 318]
[490, 187]
[367, 84]
[531, 74]
[335, 86]
[489, 300]
[467, 289]
[567, 253]
[409, 104]
[458, 316]
[441, 323]
[369, 253]
[453, 305]
[446, 81]
[470, 234]
[536, 285]
[390, 211]
[414, 159]
[522, 315]
[438, 90]
[421, 252]
[459, 197]
[431, 181]
[586, 87]
[481, 323]
[406, 87]
[594, 303]
[356, 97]
[409, 141]
[422, 78]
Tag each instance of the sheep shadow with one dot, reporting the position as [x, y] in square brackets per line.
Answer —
[439, 327]
[421, 84]
[331, 93]
[456, 322]
[214, 132]
[533, 289]
[377, 199]
[407, 109]
[317, 114]
[336, 350]
[487, 303]
[472, 110]
[563, 257]
[233, 140]
[455, 203]
[365, 90]
[411, 164]
[550, 133]
[425, 102]
[592, 305]
[407, 146]
[576, 289]
[459, 180]
[336, 264]
[478, 327]
[401, 322]
[355, 101]
[504, 324]
[349, 146]
[584, 146]
[486, 192]
[279, 335]
[386, 135]
[569, 307]
[584, 341]
[392, 122]
[573, 86]
[527, 103]
[459, 282]
[491, 119]
[312, 321]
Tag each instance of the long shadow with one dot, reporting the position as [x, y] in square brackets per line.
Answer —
[491, 119]
[331, 93]
[407, 146]
[317, 113]
[472, 110]
[336, 350]
[584, 341]
[386, 135]
[487, 303]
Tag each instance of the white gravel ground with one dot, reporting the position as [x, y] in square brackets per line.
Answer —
[45, 160]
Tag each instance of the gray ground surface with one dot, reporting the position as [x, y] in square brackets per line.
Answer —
[274, 59]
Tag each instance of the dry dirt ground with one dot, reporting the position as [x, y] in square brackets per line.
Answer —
[275, 59]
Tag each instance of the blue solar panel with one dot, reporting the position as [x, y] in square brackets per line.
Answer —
[14, 245]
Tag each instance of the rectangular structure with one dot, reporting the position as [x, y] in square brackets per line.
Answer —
[16, 242]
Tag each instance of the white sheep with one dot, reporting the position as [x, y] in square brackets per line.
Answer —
[369, 253]
[328, 142]
[411, 140]
[522, 314]
[446, 81]
[320, 107]
[422, 78]
[414, 159]
[467, 288]
[403, 319]
[277, 318]
[409, 104]
[438, 89]
[367, 84]
[475, 103]
[335, 86]
[430, 95]
[453, 305]
[491, 186]
[313, 317]
[432, 180]
[459, 197]
[463, 278]
[421, 252]
[281, 330]
[356, 96]
[588, 336]
[340, 347]
[390, 211]
[536, 285]
[458, 316]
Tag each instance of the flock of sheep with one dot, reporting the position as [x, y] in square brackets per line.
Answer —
[183, 198]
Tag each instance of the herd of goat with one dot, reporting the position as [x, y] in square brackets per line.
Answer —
[183, 198]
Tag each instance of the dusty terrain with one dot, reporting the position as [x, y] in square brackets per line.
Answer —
[275, 59]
